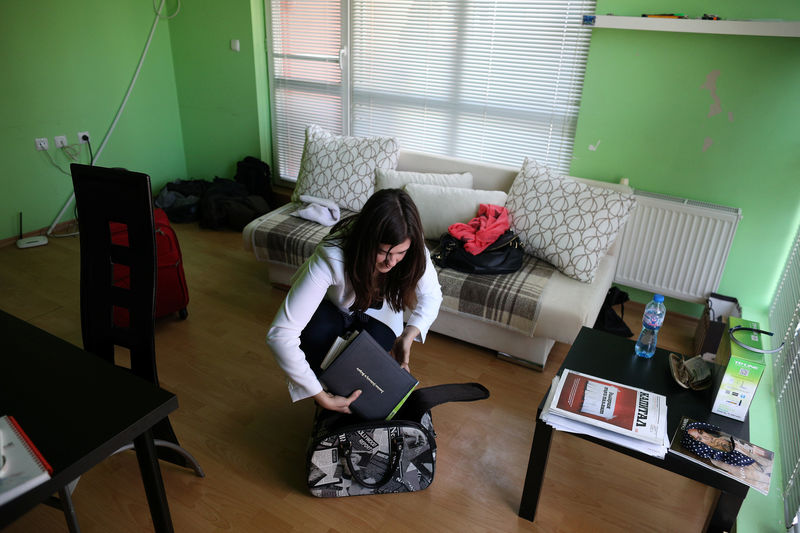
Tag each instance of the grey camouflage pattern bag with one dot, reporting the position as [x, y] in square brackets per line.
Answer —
[373, 458]
[348, 456]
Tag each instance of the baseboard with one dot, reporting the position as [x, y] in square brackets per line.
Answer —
[69, 226]
[518, 361]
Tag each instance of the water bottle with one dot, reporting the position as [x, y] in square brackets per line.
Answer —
[651, 322]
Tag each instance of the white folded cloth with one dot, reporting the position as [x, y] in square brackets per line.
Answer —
[319, 210]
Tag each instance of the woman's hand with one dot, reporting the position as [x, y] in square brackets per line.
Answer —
[332, 402]
[401, 350]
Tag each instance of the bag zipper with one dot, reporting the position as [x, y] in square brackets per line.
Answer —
[513, 242]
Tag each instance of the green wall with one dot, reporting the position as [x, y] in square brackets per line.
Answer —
[197, 108]
[66, 68]
[222, 116]
[644, 102]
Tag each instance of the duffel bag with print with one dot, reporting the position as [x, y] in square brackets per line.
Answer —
[349, 456]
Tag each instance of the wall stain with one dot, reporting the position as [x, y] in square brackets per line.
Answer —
[711, 84]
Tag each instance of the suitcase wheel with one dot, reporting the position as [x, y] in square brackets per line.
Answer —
[183, 313]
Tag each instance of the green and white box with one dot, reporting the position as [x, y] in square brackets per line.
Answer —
[743, 371]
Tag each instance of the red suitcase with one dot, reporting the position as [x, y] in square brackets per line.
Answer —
[172, 294]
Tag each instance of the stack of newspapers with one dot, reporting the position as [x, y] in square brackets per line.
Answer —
[627, 416]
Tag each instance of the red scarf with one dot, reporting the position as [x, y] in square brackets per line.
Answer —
[483, 230]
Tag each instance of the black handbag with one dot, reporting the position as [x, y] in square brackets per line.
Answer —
[503, 256]
[349, 456]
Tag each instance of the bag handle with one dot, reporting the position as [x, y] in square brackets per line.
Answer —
[426, 398]
[395, 452]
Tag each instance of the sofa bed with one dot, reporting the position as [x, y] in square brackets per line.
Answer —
[570, 223]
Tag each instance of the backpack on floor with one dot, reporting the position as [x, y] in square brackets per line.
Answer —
[608, 319]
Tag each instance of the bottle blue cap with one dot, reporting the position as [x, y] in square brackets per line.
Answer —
[658, 298]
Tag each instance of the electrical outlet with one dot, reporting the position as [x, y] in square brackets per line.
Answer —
[42, 144]
[61, 141]
[81, 135]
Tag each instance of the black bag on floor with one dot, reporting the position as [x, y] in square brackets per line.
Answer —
[180, 199]
[349, 456]
[608, 319]
[227, 204]
[253, 173]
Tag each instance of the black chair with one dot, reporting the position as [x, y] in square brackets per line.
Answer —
[103, 196]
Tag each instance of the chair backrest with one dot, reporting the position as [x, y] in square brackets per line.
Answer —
[105, 196]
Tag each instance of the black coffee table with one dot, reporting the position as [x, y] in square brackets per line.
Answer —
[611, 357]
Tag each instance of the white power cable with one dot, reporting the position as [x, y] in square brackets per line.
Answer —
[53, 162]
[116, 118]
[168, 17]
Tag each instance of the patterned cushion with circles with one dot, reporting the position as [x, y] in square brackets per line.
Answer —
[564, 222]
[342, 169]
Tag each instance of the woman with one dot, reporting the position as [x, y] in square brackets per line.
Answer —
[369, 268]
[709, 435]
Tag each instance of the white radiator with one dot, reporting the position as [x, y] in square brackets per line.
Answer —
[676, 247]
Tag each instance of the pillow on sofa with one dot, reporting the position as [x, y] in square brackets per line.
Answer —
[386, 178]
[564, 222]
[439, 206]
[342, 169]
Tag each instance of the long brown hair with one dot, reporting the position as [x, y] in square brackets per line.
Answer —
[389, 217]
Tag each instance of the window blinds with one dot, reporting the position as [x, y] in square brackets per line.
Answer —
[492, 81]
[784, 319]
[306, 80]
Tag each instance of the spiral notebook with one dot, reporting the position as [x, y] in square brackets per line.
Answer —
[22, 467]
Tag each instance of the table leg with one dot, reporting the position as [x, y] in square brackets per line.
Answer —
[69, 510]
[537, 463]
[153, 484]
[725, 511]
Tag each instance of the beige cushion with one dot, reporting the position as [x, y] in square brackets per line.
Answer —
[439, 206]
[564, 222]
[386, 178]
[342, 169]
[567, 305]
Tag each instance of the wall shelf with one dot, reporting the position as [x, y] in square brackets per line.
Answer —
[728, 27]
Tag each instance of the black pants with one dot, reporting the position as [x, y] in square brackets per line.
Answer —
[329, 321]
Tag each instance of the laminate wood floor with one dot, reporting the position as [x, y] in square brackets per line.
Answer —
[236, 418]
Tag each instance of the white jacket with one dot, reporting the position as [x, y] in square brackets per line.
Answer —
[322, 276]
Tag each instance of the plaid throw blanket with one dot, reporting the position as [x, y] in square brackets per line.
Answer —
[507, 300]
[288, 239]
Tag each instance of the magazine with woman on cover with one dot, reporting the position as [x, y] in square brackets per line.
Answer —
[729, 455]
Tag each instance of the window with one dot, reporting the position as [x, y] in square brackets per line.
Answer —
[306, 78]
[784, 319]
[492, 81]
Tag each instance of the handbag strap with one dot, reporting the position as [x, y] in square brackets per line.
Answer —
[424, 399]
[395, 452]
[447, 243]
[507, 238]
